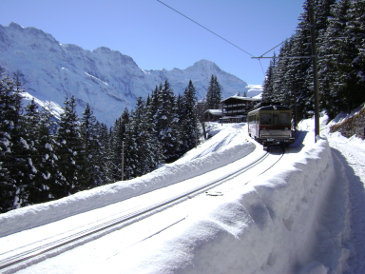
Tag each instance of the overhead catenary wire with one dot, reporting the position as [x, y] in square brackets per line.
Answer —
[261, 56]
[262, 68]
[200, 25]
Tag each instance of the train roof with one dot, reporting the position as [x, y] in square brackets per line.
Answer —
[273, 107]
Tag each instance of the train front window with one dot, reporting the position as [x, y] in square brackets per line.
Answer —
[281, 119]
[265, 118]
[276, 119]
[284, 118]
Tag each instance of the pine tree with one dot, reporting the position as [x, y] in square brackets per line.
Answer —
[214, 94]
[285, 85]
[189, 119]
[37, 131]
[140, 155]
[117, 137]
[69, 153]
[302, 67]
[167, 122]
[102, 155]
[90, 176]
[150, 149]
[10, 103]
[135, 144]
[21, 169]
[334, 60]
[268, 88]
[321, 11]
[156, 151]
[355, 32]
[294, 77]
[46, 146]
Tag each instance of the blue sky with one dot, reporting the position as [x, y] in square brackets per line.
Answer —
[156, 37]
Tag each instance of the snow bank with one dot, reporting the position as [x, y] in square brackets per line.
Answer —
[225, 147]
[268, 227]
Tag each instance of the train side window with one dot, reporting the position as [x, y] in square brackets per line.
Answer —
[265, 118]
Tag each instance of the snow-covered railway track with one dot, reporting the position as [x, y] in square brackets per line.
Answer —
[38, 251]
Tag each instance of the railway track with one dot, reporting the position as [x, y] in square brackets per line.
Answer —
[15, 260]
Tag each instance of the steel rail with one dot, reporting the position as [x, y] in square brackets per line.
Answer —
[122, 221]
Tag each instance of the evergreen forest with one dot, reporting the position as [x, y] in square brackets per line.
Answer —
[43, 158]
[338, 30]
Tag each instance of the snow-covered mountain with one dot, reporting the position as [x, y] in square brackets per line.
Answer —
[106, 79]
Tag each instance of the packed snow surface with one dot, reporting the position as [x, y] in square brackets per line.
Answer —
[304, 215]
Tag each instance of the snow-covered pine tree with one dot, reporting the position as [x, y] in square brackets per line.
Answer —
[355, 32]
[134, 145]
[156, 156]
[294, 76]
[10, 138]
[92, 151]
[214, 94]
[189, 119]
[284, 83]
[180, 107]
[321, 11]
[37, 131]
[167, 122]
[46, 146]
[117, 137]
[334, 60]
[150, 148]
[301, 68]
[268, 88]
[103, 157]
[68, 152]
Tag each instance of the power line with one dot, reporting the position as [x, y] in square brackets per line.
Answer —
[283, 57]
[262, 55]
[262, 69]
[200, 25]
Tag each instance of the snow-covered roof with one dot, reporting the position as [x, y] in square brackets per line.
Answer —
[215, 112]
[242, 98]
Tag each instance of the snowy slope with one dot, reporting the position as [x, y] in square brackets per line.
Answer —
[106, 79]
[226, 147]
[304, 216]
[268, 226]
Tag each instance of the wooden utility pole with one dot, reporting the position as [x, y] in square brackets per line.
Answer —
[315, 72]
[123, 161]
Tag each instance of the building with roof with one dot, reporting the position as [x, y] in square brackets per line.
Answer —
[235, 108]
[212, 115]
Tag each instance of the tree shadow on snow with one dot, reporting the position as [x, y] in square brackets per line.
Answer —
[356, 193]
[298, 143]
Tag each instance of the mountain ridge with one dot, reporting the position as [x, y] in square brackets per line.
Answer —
[106, 79]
